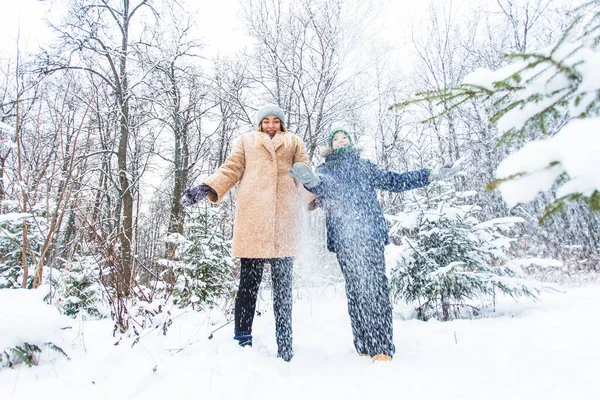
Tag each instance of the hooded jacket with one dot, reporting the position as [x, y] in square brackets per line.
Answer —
[348, 189]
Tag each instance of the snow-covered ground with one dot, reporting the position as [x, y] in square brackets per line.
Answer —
[529, 350]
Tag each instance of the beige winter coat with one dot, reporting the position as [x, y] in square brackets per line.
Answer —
[267, 222]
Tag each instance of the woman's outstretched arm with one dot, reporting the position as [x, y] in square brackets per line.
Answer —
[228, 174]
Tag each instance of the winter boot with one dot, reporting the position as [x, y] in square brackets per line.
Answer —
[382, 357]
[244, 338]
[285, 353]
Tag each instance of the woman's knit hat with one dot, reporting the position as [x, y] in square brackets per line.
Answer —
[270, 109]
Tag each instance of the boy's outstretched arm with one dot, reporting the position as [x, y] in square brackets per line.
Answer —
[399, 182]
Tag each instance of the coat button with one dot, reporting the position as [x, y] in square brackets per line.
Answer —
[271, 158]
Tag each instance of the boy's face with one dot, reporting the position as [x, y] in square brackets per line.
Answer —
[270, 125]
[340, 140]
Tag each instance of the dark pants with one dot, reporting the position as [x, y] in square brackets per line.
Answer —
[245, 301]
[367, 291]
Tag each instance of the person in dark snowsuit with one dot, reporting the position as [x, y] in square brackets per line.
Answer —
[357, 233]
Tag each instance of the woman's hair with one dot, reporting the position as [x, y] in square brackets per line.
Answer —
[289, 139]
[283, 128]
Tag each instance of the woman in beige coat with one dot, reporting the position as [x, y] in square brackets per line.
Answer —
[267, 225]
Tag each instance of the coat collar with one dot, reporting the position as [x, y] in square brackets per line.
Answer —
[271, 144]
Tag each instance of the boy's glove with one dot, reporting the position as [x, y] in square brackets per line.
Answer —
[305, 175]
[193, 195]
[450, 170]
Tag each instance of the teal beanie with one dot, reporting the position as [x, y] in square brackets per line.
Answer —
[341, 149]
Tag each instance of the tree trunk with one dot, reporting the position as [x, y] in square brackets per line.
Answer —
[126, 232]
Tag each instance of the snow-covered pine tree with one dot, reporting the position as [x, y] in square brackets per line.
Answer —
[203, 267]
[80, 291]
[12, 240]
[553, 92]
[449, 259]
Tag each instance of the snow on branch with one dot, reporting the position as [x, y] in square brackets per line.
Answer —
[499, 221]
[553, 91]
[536, 167]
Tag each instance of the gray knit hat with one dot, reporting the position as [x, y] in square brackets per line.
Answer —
[270, 109]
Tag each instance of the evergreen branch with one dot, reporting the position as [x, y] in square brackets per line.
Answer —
[457, 96]
[57, 349]
[540, 58]
[558, 205]
[494, 184]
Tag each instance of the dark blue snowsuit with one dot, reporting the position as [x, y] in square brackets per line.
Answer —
[357, 233]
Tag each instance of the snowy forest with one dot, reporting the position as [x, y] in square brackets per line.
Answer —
[106, 123]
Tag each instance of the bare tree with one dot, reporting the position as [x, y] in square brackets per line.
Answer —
[98, 38]
[297, 63]
[180, 102]
[44, 165]
[522, 17]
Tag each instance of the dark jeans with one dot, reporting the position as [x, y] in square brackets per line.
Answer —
[367, 291]
[245, 301]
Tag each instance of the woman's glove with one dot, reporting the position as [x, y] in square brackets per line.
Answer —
[305, 175]
[193, 195]
[450, 170]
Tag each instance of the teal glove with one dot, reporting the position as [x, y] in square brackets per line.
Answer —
[450, 170]
[305, 175]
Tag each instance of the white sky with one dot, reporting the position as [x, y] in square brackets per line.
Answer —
[22, 18]
[25, 18]
[217, 21]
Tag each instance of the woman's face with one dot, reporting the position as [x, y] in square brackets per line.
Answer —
[340, 140]
[270, 125]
